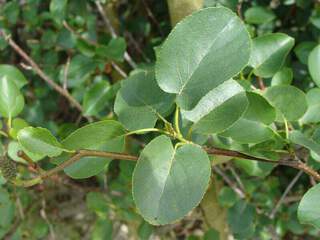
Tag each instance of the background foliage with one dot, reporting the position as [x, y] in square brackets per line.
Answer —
[102, 57]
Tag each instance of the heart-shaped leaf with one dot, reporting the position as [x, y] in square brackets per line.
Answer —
[269, 53]
[202, 51]
[168, 194]
[140, 99]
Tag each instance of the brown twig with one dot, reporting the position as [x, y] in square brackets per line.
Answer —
[121, 156]
[231, 184]
[38, 70]
[285, 193]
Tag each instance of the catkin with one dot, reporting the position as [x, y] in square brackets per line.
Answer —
[8, 168]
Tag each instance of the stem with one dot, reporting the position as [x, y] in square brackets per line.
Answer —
[176, 121]
[3, 133]
[76, 157]
[145, 130]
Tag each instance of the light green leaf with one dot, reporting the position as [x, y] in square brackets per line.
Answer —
[219, 109]
[140, 99]
[259, 15]
[168, 195]
[13, 74]
[39, 141]
[102, 230]
[314, 63]
[97, 202]
[269, 53]
[282, 77]
[95, 99]
[93, 134]
[17, 125]
[216, 46]
[289, 100]
[309, 210]
[302, 140]
[11, 100]
[313, 113]
[13, 149]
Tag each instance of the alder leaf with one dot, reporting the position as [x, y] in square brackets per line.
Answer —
[140, 100]
[169, 182]
[219, 109]
[204, 50]
[269, 52]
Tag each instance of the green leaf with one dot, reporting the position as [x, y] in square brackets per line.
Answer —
[211, 234]
[289, 100]
[228, 99]
[259, 15]
[13, 74]
[7, 209]
[58, 9]
[90, 166]
[39, 141]
[269, 53]
[313, 113]
[240, 219]
[303, 49]
[313, 64]
[13, 149]
[283, 77]
[140, 99]
[247, 131]
[17, 125]
[205, 59]
[300, 139]
[114, 50]
[309, 210]
[168, 194]
[96, 97]
[93, 134]
[259, 109]
[11, 100]
[97, 202]
[102, 230]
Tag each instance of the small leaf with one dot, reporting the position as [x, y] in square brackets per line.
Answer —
[313, 113]
[216, 46]
[97, 202]
[11, 100]
[96, 97]
[13, 74]
[140, 99]
[114, 50]
[93, 135]
[219, 109]
[300, 139]
[289, 100]
[259, 15]
[240, 219]
[314, 63]
[168, 195]
[309, 210]
[247, 131]
[303, 49]
[39, 141]
[282, 77]
[269, 52]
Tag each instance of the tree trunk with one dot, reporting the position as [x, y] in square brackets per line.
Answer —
[181, 8]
